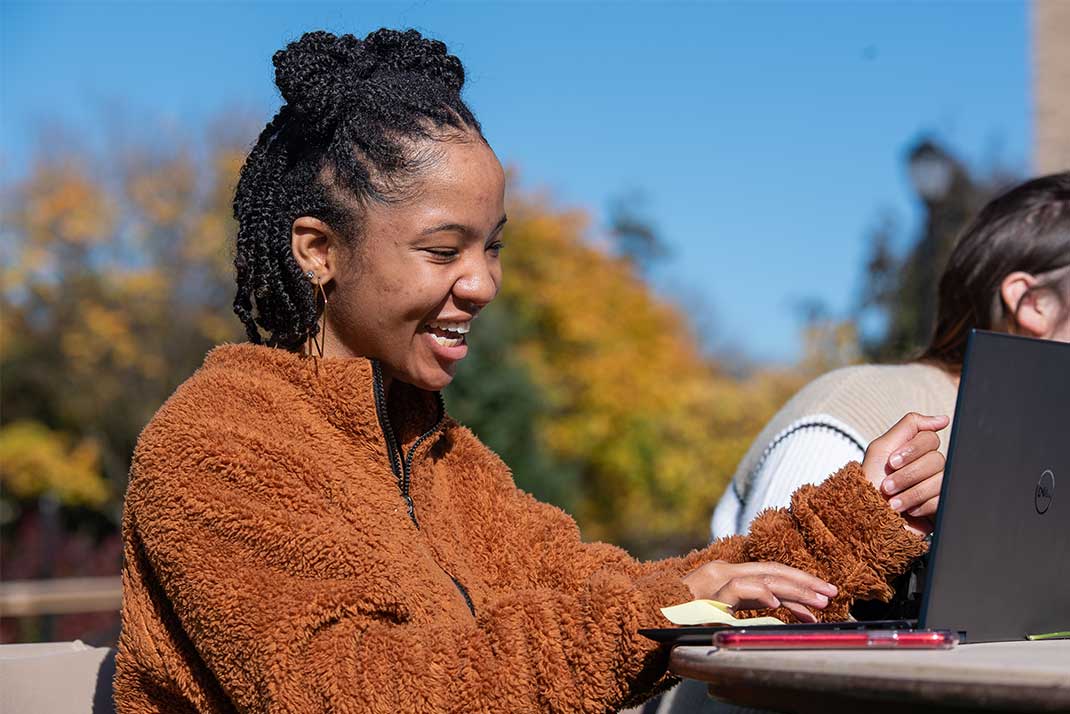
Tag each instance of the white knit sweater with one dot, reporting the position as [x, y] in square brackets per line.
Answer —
[828, 423]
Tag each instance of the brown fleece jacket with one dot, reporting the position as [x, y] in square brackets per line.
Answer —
[272, 564]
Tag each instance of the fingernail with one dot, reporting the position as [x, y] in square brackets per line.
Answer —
[829, 589]
[822, 601]
[896, 504]
[888, 486]
[896, 461]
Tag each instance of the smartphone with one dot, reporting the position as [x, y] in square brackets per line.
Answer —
[837, 639]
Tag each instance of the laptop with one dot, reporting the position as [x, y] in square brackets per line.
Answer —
[999, 564]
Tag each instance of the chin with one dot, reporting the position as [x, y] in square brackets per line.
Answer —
[434, 379]
[435, 385]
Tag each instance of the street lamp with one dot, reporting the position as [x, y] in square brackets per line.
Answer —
[932, 171]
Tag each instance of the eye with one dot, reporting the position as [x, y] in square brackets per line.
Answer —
[496, 247]
[442, 254]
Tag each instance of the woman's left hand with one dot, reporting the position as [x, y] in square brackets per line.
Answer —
[905, 466]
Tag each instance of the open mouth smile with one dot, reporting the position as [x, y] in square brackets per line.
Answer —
[448, 334]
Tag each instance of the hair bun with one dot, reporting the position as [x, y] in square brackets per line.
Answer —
[321, 75]
[309, 71]
[409, 53]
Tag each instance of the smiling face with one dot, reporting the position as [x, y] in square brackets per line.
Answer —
[408, 289]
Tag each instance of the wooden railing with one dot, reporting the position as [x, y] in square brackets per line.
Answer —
[21, 598]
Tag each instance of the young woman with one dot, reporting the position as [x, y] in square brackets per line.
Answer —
[306, 530]
[1009, 271]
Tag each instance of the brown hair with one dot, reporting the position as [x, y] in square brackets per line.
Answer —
[1027, 229]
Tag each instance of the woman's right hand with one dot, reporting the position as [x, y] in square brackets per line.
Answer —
[906, 467]
[755, 586]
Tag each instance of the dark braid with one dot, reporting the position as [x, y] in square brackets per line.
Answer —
[354, 110]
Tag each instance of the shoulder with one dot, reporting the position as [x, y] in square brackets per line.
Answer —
[847, 380]
[230, 410]
[844, 403]
[870, 398]
[869, 387]
[225, 392]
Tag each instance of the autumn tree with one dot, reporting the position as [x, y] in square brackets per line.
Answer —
[629, 409]
[117, 279]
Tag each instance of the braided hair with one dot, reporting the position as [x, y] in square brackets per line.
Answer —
[347, 134]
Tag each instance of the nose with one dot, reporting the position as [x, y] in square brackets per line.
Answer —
[477, 285]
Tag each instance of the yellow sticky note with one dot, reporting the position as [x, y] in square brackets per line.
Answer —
[711, 612]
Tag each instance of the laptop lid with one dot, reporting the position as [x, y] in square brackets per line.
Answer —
[999, 565]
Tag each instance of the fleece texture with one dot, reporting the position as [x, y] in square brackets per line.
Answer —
[271, 564]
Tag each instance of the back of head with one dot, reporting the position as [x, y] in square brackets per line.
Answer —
[350, 132]
[1025, 229]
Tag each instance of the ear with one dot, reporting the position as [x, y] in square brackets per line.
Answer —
[1032, 312]
[315, 248]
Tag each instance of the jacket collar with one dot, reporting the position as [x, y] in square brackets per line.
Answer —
[342, 389]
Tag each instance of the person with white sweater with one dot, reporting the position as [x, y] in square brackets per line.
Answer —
[1009, 272]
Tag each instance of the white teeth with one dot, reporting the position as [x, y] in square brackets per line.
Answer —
[461, 328]
[446, 341]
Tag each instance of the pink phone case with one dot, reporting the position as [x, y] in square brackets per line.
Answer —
[858, 639]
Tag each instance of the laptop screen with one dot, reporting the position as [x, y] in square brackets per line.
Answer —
[999, 566]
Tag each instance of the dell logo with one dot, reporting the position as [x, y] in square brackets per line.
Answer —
[1045, 491]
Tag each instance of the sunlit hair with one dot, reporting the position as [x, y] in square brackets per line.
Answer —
[1025, 229]
[350, 132]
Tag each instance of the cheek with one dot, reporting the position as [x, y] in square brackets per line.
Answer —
[1063, 333]
[496, 276]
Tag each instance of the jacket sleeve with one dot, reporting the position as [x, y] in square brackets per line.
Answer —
[280, 631]
[841, 530]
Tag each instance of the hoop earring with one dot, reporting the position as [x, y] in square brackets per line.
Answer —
[312, 340]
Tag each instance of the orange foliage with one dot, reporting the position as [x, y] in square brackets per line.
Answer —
[119, 286]
[656, 428]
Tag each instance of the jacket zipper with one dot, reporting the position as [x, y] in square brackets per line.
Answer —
[402, 468]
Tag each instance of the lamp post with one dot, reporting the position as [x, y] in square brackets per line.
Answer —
[932, 171]
[948, 195]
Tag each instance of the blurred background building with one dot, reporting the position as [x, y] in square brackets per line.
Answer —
[1051, 85]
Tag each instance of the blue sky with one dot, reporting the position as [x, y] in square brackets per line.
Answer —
[767, 137]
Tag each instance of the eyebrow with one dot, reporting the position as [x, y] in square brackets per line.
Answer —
[461, 228]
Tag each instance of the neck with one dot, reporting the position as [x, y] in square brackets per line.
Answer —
[334, 348]
[387, 381]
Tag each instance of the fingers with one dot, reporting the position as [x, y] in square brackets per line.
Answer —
[914, 497]
[766, 593]
[748, 593]
[769, 591]
[785, 572]
[763, 585]
[925, 510]
[800, 612]
[928, 467]
[790, 592]
[918, 526]
[904, 430]
[907, 441]
[925, 442]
